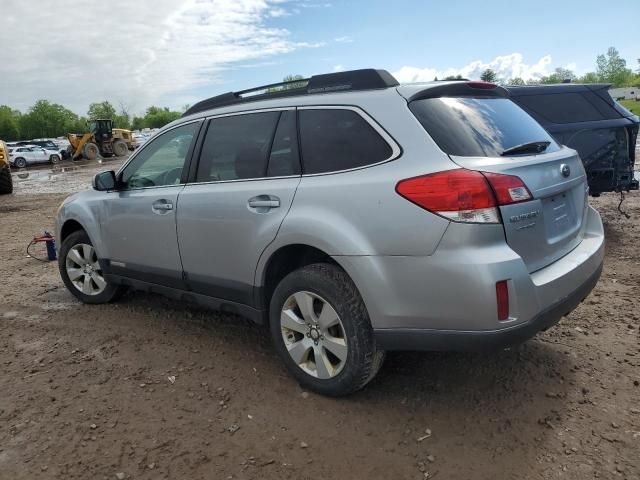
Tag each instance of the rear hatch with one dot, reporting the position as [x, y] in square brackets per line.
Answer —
[487, 132]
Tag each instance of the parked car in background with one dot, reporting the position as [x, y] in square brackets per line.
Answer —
[22, 155]
[46, 144]
[353, 216]
[140, 139]
[587, 119]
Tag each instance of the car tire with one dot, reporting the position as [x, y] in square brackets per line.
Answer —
[120, 148]
[6, 182]
[54, 159]
[327, 355]
[90, 151]
[20, 162]
[81, 272]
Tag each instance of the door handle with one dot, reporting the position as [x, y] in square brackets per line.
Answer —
[264, 201]
[160, 206]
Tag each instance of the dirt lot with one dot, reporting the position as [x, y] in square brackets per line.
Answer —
[148, 388]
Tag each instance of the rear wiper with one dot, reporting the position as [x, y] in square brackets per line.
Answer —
[534, 147]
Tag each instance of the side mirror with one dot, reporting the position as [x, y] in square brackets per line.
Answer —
[105, 181]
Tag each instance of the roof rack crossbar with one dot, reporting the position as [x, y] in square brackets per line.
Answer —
[354, 80]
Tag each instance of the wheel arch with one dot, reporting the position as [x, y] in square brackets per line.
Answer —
[71, 225]
[283, 261]
[68, 227]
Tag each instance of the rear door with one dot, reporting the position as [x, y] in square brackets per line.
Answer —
[246, 178]
[495, 135]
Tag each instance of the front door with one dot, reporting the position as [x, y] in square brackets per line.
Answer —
[141, 227]
[247, 176]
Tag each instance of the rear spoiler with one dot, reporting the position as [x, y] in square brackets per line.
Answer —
[462, 89]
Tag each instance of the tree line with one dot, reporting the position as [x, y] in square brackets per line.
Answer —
[610, 68]
[49, 120]
[45, 119]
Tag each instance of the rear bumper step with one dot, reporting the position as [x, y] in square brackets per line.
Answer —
[454, 340]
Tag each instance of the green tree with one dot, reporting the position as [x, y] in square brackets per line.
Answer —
[101, 110]
[516, 81]
[612, 68]
[589, 77]
[46, 119]
[559, 75]
[9, 123]
[489, 76]
[453, 77]
[289, 78]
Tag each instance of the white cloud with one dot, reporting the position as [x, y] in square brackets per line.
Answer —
[142, 52]
[338, 68]
[343, 39]
[506, 66]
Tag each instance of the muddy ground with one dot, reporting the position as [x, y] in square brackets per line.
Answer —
[148, 388]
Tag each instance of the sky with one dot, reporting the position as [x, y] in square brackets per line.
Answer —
[176, 52]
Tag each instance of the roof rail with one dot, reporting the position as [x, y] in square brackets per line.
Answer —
[353, 80]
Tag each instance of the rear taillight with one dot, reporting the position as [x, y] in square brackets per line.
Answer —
[464, 195]
[508, 188]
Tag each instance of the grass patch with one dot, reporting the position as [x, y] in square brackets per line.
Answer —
[631, 105]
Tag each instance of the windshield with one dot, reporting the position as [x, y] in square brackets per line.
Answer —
[481, 127]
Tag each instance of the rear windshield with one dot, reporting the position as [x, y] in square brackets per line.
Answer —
[479, 127]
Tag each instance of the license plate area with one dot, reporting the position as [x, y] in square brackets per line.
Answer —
[560, 216]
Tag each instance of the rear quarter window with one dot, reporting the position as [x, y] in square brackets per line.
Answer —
[339, 139]
[478, 127]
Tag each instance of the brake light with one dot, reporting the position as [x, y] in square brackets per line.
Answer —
[482, 85]
[464, 195]
[502, 299]
[508, 188]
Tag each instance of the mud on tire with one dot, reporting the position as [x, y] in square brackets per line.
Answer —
[6, 182]
[333, 284]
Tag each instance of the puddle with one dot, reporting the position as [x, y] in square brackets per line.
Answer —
[66, 177]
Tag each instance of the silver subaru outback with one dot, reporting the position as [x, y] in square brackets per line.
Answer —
[350, 214]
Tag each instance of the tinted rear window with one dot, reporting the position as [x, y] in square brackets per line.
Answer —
[478, 127]
[567, 107]
[339, 139]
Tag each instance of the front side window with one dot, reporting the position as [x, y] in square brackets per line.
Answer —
[480, 127]
[339, 139]
[162, 160]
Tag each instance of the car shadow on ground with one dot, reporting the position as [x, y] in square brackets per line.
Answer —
[532, 368]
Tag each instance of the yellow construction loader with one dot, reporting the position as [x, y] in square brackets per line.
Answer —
[101, 139]
[6, 183]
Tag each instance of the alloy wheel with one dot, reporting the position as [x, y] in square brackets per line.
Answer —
[314, 335]
[84, 270]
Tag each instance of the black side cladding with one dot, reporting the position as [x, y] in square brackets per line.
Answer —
[365, 79]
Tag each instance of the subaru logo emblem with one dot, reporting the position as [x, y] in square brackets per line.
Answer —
[565, 170]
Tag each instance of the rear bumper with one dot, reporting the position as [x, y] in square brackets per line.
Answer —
[447, 301]
[423, 339]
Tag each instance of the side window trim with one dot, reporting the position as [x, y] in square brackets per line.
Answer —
[396, 150]
[187, 161]
[270, 149]
[197, 152]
